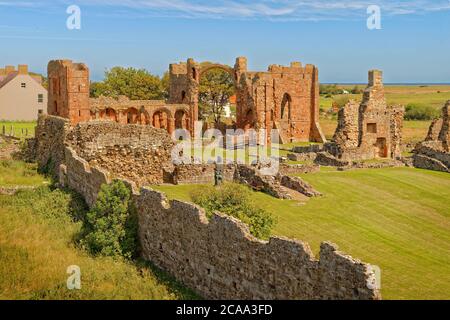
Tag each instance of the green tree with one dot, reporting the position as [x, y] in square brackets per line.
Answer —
[235, 200]
[136, 84]
[216, 88]
[111, 225]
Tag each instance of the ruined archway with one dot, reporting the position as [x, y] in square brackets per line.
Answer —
[286, 107]
[181, 119]
[162, 119]
[132, 116]
[216, 85]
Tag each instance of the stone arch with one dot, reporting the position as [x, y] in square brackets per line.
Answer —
[109, 113]
[132, 115]
[162, 119]
[286, 104]
[223, 67]
[181, 119]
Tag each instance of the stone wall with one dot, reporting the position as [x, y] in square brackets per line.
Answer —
[77, 174]
[433, 153]
[200, 173]
[49, 141]
[371, 130]
[138, 153]
[297, 184]
[220, 259]
[283, 97]
[135, 152]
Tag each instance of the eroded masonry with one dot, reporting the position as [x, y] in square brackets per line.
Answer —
[283, 98]
[368, 130]
[434, 152]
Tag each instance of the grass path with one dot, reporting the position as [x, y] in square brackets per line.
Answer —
[397, 218]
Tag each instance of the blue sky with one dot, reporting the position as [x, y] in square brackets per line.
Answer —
[412, 46]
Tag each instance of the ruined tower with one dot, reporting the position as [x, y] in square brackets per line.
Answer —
[372, 130]
[68, 90]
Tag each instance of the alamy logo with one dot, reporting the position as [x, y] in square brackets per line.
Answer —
[374, 19]
[74, 20]
[74, 280]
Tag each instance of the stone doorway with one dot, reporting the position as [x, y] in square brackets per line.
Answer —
[381, 148]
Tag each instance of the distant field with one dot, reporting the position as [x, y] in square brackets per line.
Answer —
[19, 128]
[398, 219]
[435, 96]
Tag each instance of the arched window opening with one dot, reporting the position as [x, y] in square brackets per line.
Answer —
[286, 107]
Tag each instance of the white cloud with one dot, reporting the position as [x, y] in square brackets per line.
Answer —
[257, 9]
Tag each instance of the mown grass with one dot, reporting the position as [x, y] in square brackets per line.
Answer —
[18, 127]
[38, 233]
[396, 218]
[18, 173]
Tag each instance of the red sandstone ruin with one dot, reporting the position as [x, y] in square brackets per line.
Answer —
[283, 98]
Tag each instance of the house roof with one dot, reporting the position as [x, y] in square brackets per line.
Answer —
[4, 80]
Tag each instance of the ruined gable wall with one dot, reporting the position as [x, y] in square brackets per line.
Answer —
[347, 132]
[220, 259]
[397, 114]
[444, 135]
[264, 94]
[377, 126]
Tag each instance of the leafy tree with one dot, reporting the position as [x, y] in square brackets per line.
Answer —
[111, 225]
[341, 101]
[136, 84]
[216, 88]
[417, 111]
[235, 200]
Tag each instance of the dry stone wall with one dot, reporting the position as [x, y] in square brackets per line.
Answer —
[220, 259]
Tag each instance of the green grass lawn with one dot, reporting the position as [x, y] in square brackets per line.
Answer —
[37, 232]
[18, 127]
[18, 173]
[396, 218]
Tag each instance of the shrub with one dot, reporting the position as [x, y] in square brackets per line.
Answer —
[111, 225]
[235, 200]
[416, 111]
[341, 101]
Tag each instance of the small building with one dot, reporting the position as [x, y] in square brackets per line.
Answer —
[21, 94]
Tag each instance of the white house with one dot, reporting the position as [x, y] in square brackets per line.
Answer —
[21, 94]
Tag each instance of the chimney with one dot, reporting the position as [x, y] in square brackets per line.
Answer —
[23, 69]
[9, 69]
[375, 78]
